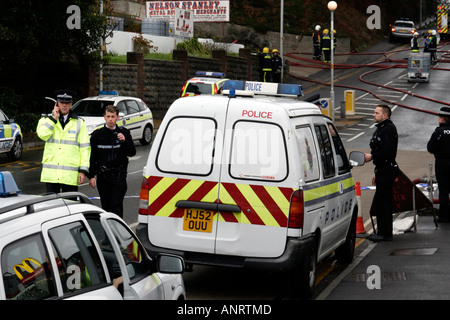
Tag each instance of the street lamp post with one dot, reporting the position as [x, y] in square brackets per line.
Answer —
[332, 5]
[281, 35]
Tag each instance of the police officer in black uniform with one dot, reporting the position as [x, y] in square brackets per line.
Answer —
[383, 147]
[110, 148]
[439, 145]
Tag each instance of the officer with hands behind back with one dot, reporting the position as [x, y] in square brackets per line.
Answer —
[383, 147]
[439, 145]
[111, 146]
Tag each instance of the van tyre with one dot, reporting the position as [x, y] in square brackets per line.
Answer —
[147, 136]
[346, 251]
[305, 278]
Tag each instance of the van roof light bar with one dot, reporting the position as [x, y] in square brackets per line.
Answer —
[264, 88]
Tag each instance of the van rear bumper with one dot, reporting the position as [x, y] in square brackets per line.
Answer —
[295, 251]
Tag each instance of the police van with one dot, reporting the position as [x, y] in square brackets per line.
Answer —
[251, 178]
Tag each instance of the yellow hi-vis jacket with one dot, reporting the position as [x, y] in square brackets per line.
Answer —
[67, 151]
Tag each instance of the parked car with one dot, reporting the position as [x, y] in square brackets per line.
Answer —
[204, 83]
[61, 246]
[134, 114]
[11, 138]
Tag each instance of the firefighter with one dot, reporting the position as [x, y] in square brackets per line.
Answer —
[67, 150]
[432, 47]
[277, 64]
[334, 40]
[266, 65]
[415, 43]
[326, 46]
[111, 147]
[316, 43]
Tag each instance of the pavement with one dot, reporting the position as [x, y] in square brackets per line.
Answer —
[413, 266]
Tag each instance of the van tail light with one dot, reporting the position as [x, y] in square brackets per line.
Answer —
[296, 210]
[392, 29]
[143, 198]
[216, 90]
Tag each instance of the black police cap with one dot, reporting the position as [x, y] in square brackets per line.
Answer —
[444, 111]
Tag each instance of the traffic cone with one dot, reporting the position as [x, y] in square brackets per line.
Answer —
[359, 220]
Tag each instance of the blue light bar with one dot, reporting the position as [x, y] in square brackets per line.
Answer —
[290, 89]
[234, 84]
[7, 184]
[211, 74]
[265, 88]
[109, 93]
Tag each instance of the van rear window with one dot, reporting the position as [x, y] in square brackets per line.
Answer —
[258, 152]
[187, 146]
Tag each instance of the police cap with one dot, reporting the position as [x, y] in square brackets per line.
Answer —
[444, 111]
[64, 96]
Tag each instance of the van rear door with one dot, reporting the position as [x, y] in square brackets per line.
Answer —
[253, 182]
[183, 191]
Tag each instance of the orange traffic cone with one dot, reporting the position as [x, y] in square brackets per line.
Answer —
[359, 220]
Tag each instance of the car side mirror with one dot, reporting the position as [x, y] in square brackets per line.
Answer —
[169, 264]
[357, 158]
[121, 115]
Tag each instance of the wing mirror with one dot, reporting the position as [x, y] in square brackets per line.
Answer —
[357, 159]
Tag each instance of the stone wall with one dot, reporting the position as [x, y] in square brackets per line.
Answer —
[159, 82]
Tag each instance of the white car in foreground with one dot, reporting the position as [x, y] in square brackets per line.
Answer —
[61, 246]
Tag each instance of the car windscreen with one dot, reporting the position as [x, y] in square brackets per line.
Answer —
[91, 108]
[404, 24]
[199, 88]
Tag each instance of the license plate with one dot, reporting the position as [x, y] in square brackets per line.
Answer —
[198, 220]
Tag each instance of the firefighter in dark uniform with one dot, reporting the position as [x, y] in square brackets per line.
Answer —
[383, 147]
[277, 64]
[439, 145]
[326, 46]
[316, 43]
[110, 148]
[266, 65]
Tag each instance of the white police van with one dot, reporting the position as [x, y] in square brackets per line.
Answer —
[251, 178]
[53, 247]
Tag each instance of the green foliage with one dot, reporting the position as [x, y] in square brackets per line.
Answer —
[27, 121]
[9, 101]
[192, 46]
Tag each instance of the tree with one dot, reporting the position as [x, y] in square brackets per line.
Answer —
[35, 38]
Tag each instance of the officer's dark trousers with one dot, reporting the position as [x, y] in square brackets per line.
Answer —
[442, 168]
[112, 188]
[382, 200]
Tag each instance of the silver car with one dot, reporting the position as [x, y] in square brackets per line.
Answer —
[402, 29]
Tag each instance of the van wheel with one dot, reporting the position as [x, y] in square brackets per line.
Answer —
[305, 278]
[346, 251]
[147, 136]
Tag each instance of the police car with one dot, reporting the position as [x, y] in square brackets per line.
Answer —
[61, 246]
[251, 178]
[205, 82]
[134, 114]
[10, 137]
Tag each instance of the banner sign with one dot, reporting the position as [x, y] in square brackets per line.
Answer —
[203, 11]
